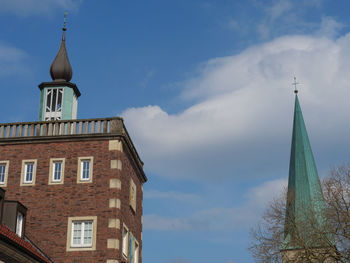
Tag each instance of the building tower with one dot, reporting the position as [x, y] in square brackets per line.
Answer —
[59, 98]
[81, 180]
[305, 218]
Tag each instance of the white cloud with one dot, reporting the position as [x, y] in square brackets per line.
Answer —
[279, 8]
[329, 27]
[285, 16]
[35, 7]
[178, 196]
[241, 117]
[222, 218]
[11, 60]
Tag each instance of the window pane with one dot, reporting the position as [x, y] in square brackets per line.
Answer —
[19, 224]
[85, 175]
[29, 167]
[76, 233]
[48, 100]
[125, 241]
[59, 99]
[2, 173]
[54, 98]
[57, 171]
[87, 233]
[131, 248]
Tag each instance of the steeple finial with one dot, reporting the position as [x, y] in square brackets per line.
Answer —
[65, 21]
[61, 69]
[295, 83]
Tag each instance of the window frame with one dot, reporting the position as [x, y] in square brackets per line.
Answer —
[125, 246]
[24, 182]
[82, 233]
[74, 247]
[133, 195]
[136, 251]
[19, 224]
[80, 169]
[6, 163]
[52, 112]
[52, 170]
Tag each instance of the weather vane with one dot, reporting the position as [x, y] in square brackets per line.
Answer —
[295, 83]
[65, 20]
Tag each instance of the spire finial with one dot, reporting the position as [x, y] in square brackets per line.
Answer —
[65, 21]
[60, 68]
[295, 83]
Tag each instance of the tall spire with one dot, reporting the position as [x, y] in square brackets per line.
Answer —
[305, 203]
[61, 69]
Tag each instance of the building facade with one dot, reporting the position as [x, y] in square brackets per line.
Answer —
[81, 180]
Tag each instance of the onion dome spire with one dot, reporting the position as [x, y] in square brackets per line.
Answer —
[61, 69]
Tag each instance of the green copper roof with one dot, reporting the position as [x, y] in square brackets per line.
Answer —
[305, 203]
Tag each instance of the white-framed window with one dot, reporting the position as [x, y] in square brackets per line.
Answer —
[56, 170]
[81, 233]
[85, 169]
[133, 249]
[53, 109]
[125, 244]
[130, 246]
[19, 224]
[136, 253]
[28, 172]
[3, 173]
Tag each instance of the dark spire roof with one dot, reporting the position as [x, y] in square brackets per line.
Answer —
[61, 69]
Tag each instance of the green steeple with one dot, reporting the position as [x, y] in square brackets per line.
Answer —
[305, 203]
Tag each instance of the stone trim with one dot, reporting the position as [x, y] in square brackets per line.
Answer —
[115, 183]
[7, 163]
[112, 261]
[114, 223]
[114, 203]
[113, 243]
[23, 172]
[51, 171]
[115, 145]
[80, 159]
[69, 232]
[116, 164]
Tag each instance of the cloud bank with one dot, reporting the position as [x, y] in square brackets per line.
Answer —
[237, 217]
[241, 116]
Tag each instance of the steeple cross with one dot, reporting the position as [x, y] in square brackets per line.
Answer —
[295, 83]
[65, 19]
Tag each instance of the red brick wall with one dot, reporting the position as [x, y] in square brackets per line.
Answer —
[49, 206]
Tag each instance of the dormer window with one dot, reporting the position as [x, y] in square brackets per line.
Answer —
[54, 98]
[14, 217]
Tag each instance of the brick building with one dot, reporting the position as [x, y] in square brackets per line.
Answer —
[81, 179]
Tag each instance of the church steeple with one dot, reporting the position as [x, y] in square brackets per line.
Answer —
[305, 202]
[60, 69]
[59, 98]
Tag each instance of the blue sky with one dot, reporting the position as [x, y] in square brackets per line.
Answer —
[205, 91]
